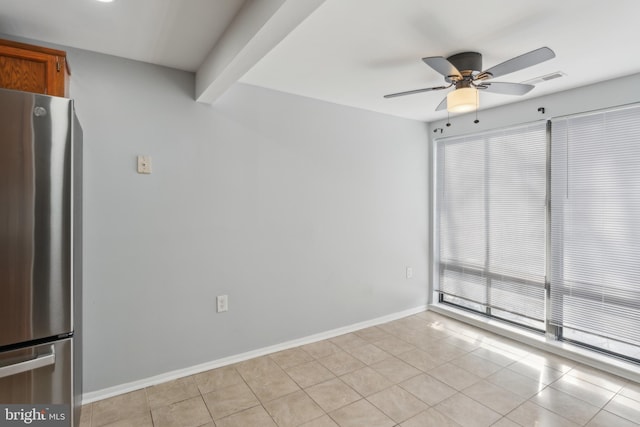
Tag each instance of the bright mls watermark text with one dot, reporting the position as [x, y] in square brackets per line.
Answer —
[35, 415]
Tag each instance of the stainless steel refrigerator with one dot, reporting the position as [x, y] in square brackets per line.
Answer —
[40, 257]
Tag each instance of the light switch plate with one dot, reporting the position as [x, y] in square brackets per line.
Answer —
[144, 164]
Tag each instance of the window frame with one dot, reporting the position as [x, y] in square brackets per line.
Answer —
[552, 331]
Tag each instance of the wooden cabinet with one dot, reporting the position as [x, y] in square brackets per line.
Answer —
[33, 68]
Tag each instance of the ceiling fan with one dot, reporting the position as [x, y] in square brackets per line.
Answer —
[463, 70]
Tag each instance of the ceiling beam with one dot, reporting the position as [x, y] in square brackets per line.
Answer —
[257, 28]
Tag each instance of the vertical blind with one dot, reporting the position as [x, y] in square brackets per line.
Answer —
[491, 194]
[595, 224]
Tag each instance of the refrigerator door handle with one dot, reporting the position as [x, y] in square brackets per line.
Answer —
[29, 365]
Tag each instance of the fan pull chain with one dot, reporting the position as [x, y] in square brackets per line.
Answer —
[448, 119]
[476, 121]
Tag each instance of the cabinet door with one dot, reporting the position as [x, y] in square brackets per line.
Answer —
[32, 71]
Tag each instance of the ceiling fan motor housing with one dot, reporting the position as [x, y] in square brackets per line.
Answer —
[468, 63]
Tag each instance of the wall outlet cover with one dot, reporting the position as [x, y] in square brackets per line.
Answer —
[222, 303]
[409, 272]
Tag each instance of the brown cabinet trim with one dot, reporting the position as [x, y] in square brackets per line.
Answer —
[54, 60]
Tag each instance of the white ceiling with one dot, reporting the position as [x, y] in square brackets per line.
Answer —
[349, 52]
[174, 33]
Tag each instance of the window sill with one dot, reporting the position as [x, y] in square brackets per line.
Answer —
[578, 354]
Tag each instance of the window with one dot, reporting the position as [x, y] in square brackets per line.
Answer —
[498, 242]
[595, 272]
[491, 219]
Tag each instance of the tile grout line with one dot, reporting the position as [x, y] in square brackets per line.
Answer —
[434, 341]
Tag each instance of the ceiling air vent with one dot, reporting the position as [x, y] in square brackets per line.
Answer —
[545, 78]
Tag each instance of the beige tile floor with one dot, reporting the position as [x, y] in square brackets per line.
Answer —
[420, 371]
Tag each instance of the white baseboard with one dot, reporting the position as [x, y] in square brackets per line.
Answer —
[179, 373]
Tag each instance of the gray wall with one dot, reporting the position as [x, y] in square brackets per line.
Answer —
[305, 213]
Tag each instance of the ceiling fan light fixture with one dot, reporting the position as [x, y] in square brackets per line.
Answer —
[462, 100]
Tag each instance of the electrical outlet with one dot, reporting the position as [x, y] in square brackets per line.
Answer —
[144, 164]
[222, 302]
[409, 272]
